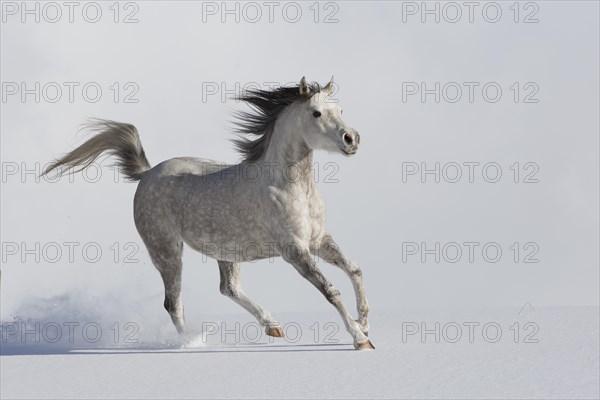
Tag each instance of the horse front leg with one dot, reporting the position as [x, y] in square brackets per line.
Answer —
[306, 266]
[329, 251]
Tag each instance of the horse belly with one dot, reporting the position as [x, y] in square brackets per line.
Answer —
[229, 239]
[233, 250]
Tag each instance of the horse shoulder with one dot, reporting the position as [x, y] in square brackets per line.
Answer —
[295, 215]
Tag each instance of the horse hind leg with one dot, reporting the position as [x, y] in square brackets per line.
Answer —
[230, 287]
[167, 259]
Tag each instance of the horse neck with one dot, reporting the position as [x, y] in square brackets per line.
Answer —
[288, 155]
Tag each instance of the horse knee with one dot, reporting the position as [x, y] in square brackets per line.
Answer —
[356, 273]
[227, 289]
[363, 309]
[169, 305]
[333, 295]
[224, 290]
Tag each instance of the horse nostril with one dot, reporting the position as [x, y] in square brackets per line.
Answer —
[348, 139]
[357, 138]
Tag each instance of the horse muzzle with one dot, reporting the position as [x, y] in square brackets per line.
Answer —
[350, 139]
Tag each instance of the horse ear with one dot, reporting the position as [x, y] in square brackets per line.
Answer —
[329, 87]
[304, 89]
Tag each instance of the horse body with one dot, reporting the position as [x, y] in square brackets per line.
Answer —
[266, 206]
[223, 212]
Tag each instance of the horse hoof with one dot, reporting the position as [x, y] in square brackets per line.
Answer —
[364, 346]
[275, 331]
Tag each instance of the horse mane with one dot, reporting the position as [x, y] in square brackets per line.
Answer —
[266, 107]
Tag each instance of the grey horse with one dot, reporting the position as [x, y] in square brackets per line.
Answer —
[266, 206]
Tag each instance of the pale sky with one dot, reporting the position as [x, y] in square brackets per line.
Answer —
[542, 127]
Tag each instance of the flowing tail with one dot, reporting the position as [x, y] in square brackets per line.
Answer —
[115, 138]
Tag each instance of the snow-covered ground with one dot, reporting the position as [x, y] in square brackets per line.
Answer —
[532, 352]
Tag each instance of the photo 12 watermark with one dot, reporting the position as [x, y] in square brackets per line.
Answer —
[69, 332]
[252, 12]
[469, 332]
[470, 92]
[233, 91]
[70, 12]
[456, 12]
[470, 172]
[70, 252]
[252, 332]
[70, 92]
[470, 252]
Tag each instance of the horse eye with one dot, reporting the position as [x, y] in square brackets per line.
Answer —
[316, 114]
